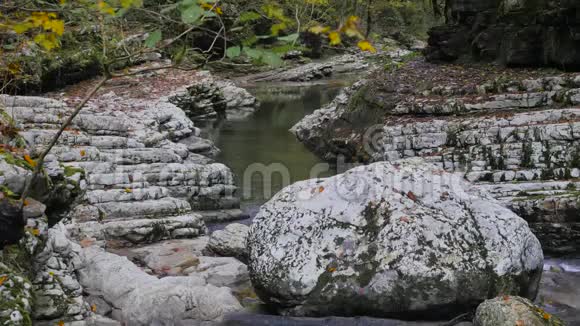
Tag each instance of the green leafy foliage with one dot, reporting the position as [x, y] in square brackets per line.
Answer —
[153, 39]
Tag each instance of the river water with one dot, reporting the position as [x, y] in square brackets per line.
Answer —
[260, 150]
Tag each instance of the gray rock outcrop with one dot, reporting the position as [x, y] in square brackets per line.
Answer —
[514, 32]
[389, 239]
[230, 242]
[143, 299]
[516, 137]
[131, 168]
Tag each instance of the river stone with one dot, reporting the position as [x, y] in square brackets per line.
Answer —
[388, 240]
[512, 310]
[230, 242]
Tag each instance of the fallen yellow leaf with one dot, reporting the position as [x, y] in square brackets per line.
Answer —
[3, 279]
[128, 190]
[366, 46]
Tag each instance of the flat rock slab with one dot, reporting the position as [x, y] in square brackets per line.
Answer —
[170, 257]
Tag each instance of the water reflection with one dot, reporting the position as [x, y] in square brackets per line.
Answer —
[264, 139]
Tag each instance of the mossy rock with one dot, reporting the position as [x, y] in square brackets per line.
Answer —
[15, 294]
[513, 311]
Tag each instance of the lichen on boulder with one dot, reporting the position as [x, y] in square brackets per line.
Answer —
[403, 239]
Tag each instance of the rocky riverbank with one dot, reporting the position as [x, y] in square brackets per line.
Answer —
[513, 133]
[132, 185]
[131, 171]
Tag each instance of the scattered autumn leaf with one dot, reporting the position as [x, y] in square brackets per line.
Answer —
[83, 153]
[128, 190]
[520, 322]
[546, 316]
[87, 242]
[321, 189]
[412, 196]
[331, 269]
[29, 160]
[36, 232]
[94, 307]
[334, 38]
[3, 279]
[366, 46]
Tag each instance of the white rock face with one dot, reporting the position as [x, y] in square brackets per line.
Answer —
[146, 300]
[134, 162]
[230, 242]
[389, 239]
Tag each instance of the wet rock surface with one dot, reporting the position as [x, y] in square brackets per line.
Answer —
[375, 241]
[514, 134]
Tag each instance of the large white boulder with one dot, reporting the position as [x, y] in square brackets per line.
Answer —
[389, 239]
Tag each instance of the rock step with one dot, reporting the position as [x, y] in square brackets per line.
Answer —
[523, 175]
[126, 195]
[542, 139]
[138, 231]
[73, 139]
[442, 105]
[127, 156]
[506, 189]
[152, 209]
[215, 170]
[223, 215]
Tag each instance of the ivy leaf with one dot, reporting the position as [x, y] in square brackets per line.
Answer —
[191, 14]
[233, 52]
[272, 59]
[153, 39]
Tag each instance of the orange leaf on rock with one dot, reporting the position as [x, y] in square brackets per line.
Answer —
[3, 279]
[29, 160]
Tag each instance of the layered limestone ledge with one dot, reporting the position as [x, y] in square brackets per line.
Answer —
[518, 138]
